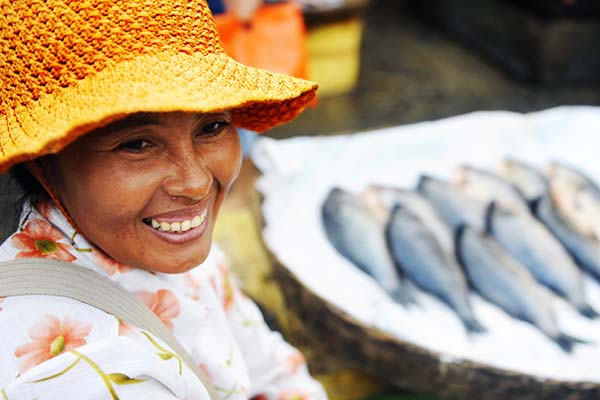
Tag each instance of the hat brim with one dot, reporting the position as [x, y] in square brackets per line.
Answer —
[258, 99]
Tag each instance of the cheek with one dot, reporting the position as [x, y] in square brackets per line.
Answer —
[106, 201]
[227, 161]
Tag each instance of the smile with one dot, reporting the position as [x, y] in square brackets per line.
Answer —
[176, 226]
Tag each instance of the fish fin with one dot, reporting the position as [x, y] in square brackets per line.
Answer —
[587, 311]
[490, 209]
[474, 327]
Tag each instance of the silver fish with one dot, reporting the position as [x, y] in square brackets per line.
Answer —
[577, 196]
[451, 204]
[359, 236]
[423, 260]
[388, 197]
[503, 281]
[527, 179]
[488, 187]
[529, 242]
[584, 250]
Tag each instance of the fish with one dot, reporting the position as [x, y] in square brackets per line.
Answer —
[425, 262]
[583, 249]
[359, 236]
[453, 206]
[529, 242]
[488, 187]
[387, 197]
[503, 281]
[577, 196]
[530, 182]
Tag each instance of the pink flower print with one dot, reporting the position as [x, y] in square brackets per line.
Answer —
[227, 287]
[108, 264]
[51, 337]
[294, 361]
[293, 395]
[163, 303]
[193, 284]
[204, 369]
[125, 329]
[44, 207]
[40, 240]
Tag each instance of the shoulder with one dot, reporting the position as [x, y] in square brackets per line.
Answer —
[55, 342]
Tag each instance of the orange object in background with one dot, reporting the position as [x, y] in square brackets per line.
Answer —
[273, 39]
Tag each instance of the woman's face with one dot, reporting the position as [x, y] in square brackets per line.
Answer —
[146, 189]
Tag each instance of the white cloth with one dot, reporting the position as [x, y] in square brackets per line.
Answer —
[58, 348]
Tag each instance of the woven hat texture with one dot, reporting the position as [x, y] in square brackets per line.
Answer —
[67, 67]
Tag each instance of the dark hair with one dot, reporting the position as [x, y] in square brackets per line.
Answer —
[16, 187]
[28, 184]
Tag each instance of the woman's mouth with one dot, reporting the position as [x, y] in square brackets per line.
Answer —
[176, 225]
[178, 229]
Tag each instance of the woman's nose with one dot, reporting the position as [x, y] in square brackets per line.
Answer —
[189, 178]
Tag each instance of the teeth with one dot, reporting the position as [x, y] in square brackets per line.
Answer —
[179, 226]
[196, 221]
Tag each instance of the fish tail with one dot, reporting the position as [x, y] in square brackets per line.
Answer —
[567, 342]
[404, 296]
[474, 327]
[587, 311]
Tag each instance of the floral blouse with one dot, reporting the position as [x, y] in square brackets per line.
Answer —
[58, 348]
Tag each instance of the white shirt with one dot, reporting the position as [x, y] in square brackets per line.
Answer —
[58, 348]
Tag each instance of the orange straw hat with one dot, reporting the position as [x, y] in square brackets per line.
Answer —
[69, 66]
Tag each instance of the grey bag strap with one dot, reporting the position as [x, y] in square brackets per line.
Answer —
[39, 276]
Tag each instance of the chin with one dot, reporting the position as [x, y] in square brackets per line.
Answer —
[178, 267]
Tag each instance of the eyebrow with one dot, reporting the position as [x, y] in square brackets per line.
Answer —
[133, 121]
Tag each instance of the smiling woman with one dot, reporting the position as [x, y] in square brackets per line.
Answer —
[124, 173]
[173, 170]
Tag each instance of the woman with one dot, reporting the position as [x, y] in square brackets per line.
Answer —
[119, 119]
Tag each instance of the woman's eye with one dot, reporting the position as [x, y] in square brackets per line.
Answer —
[213, 127]
[135, 146]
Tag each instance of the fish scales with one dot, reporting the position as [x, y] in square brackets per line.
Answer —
[357, 235]
[418, 205]
[503, 281]
[528, 241]
[425, 262]
[453, 206]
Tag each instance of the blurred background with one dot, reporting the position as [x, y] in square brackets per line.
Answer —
[382, 63]
[392, 62]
